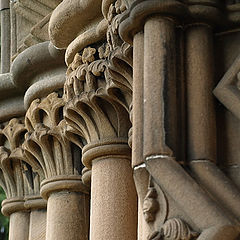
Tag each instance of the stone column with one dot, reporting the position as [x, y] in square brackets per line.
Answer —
[200, 84]
[38, 216]
[19, 218]
[67, 209]
[98, 111]
[154, 95]
[5, 36]
[36, 205]
[159, 87]
[113, 199]
[141, 175]
[51, 155]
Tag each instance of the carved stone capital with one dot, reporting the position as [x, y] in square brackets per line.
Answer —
[47, 149]
[98, 89]
[19, 182]
[181, 12]
[206, 11]
[134, 18]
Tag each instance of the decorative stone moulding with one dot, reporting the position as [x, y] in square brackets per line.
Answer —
[69, 31]
[37, 71]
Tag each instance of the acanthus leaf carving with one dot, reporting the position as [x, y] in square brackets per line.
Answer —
[98, 86]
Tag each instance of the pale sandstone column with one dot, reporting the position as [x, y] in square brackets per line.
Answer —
[38, 216]
[159, 88]
[5, 36]
[113, 194]
[200, 100]
[19, 218]
[67, 209]
[141, 176]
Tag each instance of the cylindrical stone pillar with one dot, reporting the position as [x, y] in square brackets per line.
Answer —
[38, 216]
[113, 195]
[67, 208]
[141, 176]
[160, 120]
[5, 36]
[138, 64]
[200, 101]
[19, 218]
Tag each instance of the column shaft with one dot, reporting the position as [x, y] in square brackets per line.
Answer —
[138, 63]
[37, 226]
[141, 176]
[200, 102]
[5, 36]
[19, 226]
[160, 120]
[113, 200]
[67, 216]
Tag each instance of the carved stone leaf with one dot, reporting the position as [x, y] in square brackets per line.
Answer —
[46, 111]
[47, 147]
[13, 133]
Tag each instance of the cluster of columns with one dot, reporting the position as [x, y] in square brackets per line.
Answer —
[67, 167]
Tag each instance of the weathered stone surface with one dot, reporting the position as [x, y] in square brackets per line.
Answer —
[131, 131]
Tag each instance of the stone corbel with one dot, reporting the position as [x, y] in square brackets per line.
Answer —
[59, 163]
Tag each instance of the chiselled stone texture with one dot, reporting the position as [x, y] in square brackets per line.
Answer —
[132, 105]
